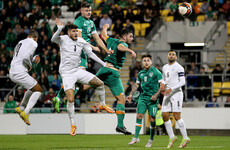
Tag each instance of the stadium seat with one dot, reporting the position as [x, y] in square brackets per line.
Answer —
[64, 8]
[217, 88]
[67, 14]
[169, 19]
[125, 12]
[199, 3]
[143, 28]
[164, 12]
[200, 18]
[98, 12]
[226, 85]
[134, 12]
[112, 26]
[137, 27]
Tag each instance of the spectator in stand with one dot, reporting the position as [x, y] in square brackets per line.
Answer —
[191, 82]
[147, 17]
[158, 67]
[19, 94]
[20, 9]
[55, 84]
[22, 35]
[10, 105]
[112, 15]
[203, 82]
[130, 26]
[195, 11]
[204, 7]
[2, 32]
[4, 64]
[10, 9]
[2, 85]
[48, 98]
[118, 26]
[56, 12]
[47, 12]
[26, 5]
[212, 102]
[130, 107]
[218, 72]
[139, 16]
[137, 67]
[227, 103]
[119, 13]
[3, 51]
[10, 38]
[16, 29]
[163, 4]
[122, 3]
[54, 56]
[210, 14]
[43, 82]
[228, 72]
[155, 12]
[105, 20]
[73, 5]
[3, 15]
[46, 67]
[130, 4]
[174, 11]
[130, 15]
[102, 4]
[105, 9]
[96, 20]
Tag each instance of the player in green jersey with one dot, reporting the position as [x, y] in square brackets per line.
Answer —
[149, 79]
[86, 29]
[110, 75]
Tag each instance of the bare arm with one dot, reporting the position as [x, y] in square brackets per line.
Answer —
[134, 88]
[55, 38]
[122, 48]
[100, 43]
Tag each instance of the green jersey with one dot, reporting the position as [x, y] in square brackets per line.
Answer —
[86, 26]
[149, 81]
[118, 57]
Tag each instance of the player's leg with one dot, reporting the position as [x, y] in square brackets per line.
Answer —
[137, 128]
[166, 109]
[152, 110]
[177, 108]
[57, 98]
[70, 110]
[24, 101]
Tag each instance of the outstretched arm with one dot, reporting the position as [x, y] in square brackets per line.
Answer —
[56, 38]
[134, 88]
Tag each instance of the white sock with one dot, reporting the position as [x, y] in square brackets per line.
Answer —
[182, 128]
[32, 101]
[70, 110]
[25, 99]
[101, 93]
[169, 129]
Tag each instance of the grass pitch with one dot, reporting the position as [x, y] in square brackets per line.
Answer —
[105, 142]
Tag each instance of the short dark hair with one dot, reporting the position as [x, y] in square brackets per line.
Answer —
[85, 5]
[202, 68]
[125, 31]
[172, 51]
[147, 55]
[33, 34]
[72, 26]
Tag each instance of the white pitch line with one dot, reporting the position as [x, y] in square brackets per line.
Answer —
[188, 147]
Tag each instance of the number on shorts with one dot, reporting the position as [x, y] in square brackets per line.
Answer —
[154, 110]
[178, 103]
[17, 48]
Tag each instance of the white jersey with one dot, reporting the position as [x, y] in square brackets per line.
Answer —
[23, 55]
[71, 51]
[172, 74]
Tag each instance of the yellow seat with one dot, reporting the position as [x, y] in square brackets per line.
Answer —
[134, 1]
[125, 12]
[228, 24]
[217, 88]
[200, 18]
[98, 2]
[112, 26]
[143, 28]
[226, 85]
[134, 12]
[98, 12]
[199, 3]
[137, 27]
[165, 12]
[169, 19]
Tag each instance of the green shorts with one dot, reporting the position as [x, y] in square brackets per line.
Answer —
[111, 78]
[84, 63]
[143, 105]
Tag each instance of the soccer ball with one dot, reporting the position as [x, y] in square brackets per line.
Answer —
[185, 9]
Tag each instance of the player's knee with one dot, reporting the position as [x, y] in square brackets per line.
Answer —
[140, 116]
[165, 117]
[71, 99]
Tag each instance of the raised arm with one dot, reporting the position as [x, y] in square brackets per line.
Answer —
[56, 38]
[88, 50]
[121, 47]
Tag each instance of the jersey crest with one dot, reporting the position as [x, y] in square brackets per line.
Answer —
[150, 74]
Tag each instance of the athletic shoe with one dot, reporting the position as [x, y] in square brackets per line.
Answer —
[123, 130]
[149, 144]
[73, 131]
[134, 140]
[107, 108]
[184, 142]
[56, 102]
[18, 110]
[25, 117]
[171, 141]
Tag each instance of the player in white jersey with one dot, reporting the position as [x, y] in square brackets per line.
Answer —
[173, 79]
[71, 48]
[20, 65]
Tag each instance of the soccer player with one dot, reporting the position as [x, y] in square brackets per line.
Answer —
[173, 80]
[20, 66]
[149, 79]
[110, 75]
[71, 48]
[86, 28]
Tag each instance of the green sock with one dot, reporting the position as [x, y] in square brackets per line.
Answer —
[75, 92]
[120, 111]
[61, 93]
[138, 127]
[152, 130]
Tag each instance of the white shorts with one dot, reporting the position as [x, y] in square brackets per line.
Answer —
[173, 102]
[23, 79]
[80, 76]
